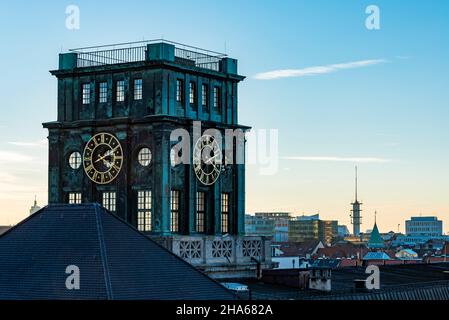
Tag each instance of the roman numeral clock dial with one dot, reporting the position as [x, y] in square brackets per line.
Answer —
[103, 158]
[207, 160]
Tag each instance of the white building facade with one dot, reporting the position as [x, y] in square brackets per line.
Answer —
[424, 227]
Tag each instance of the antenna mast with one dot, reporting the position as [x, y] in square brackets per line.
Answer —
[356, 217]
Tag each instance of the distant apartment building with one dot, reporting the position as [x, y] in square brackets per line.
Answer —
[258, 226]
[309, 228]
[281, 223]
[304, 228]
[420, 230]
[343, 231]
[314, 217]
[424, 227]
[328, 231]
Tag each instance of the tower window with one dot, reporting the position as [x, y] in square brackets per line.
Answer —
[200, 212]
[144, 157]
[103, 92]
[225, 213]
[138, 89]
[86, 93]
[179, 90]
[192, 95]
[144, 210]
[74, 198]
[120, 91]
[109, 201]
[204, 96]
[217, 104]
[174, 209]
[75, 160]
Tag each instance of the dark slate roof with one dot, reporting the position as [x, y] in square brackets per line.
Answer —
[326, 263]
[398, 282]
[295, 249]
[115, 260]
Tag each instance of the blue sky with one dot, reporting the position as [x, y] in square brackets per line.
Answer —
[395, 110]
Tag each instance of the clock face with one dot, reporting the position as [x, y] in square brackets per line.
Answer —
[103, 158]
[207, 160]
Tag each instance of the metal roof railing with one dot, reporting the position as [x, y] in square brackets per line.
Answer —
[137, 51]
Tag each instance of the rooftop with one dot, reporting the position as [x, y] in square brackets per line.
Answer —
[424, 219]
[399, 282]
[115, 261]
[138, 51]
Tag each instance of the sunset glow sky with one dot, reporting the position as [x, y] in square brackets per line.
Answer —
[339, 95]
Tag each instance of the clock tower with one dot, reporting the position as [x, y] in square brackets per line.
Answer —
[115, 142]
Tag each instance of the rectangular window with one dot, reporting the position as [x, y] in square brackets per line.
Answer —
[204, 96]
[86, 93]
[74, 198]
[217, 104]
[109, 201]
[200, 212]
[138, 89]
[120, 91]
[225, 213]
[144, 210]
[179, 90]
[174, 209]
[103, 92]
[192, 95]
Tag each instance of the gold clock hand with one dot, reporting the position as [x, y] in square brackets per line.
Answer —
[108, 153]
[101, 158]
[211, 159]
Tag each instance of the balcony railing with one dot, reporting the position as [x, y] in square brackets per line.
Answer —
[137, 51]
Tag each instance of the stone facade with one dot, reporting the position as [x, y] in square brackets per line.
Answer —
[223, 257]
[166, 71]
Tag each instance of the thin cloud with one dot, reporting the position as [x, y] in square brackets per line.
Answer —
[341, 159]
[13, 157]
[32, 144]
[317, 70]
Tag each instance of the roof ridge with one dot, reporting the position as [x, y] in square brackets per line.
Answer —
[104, 260]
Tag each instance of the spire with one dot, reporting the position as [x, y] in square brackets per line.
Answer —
[35, 200]
[355, 215]
[375, 241]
